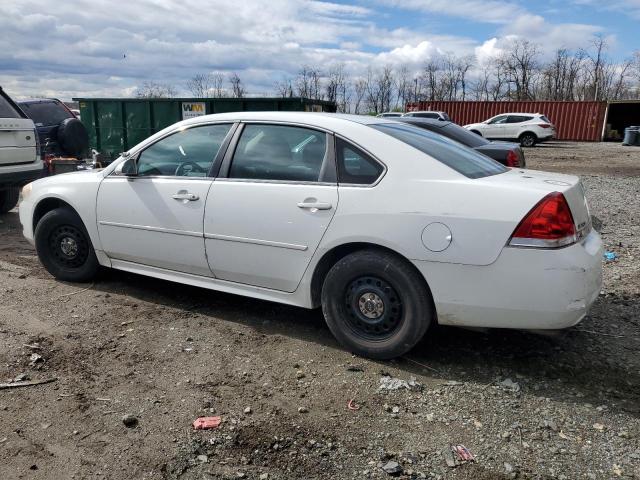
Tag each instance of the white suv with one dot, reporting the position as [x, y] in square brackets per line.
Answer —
[527, 128]
[20, 162]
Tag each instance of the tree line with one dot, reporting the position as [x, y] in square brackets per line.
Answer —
[518, 72]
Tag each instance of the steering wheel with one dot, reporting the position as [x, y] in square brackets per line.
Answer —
[182, 169]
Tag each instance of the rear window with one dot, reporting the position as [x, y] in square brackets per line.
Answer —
[7, 110]
[462, 159]
[464, 136]
[46, 113]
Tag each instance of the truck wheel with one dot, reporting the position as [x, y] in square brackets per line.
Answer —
[64, 247]
[528, 139]
[9, 199]
[376, 305]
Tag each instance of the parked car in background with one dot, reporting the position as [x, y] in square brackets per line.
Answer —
[389, 114]
[429, 114]
[388, 227]
[20, 160]
[527, 128]
[61, 134]
[509, 154]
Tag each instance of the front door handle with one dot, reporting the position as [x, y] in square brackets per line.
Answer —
[315, 205]
[184, 195]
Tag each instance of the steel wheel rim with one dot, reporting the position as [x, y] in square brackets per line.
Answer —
[68, 246]
[374, 310]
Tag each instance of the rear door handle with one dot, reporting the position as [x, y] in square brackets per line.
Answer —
[184, 195]
[315, 205]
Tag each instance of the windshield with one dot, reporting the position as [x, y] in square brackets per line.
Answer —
[462, 159]
[46, 113]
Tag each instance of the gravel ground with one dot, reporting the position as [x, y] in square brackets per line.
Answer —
[527, 406]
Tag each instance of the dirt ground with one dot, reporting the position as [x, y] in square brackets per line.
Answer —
[527, 406]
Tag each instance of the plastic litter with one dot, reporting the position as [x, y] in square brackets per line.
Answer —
[351, 405]
[457, 455]
[207, 423]
[610, 256]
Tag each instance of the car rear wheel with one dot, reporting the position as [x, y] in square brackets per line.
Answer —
[376, 304]
[528, 139]
[64, 246]
[9, 199]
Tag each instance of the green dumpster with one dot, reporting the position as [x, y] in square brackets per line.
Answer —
[117, 124]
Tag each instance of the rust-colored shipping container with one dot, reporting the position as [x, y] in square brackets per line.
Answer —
[582, 121]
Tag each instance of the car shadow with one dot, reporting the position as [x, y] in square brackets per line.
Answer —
[574, 366]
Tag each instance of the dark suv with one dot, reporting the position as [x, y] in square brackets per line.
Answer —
[61, 134]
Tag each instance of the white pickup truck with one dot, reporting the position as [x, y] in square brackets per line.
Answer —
[20, 161]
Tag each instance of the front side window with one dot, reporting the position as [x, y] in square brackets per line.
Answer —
[279, 152]
[186, 153]
[355, 166]
[462, 159]
[498, 120]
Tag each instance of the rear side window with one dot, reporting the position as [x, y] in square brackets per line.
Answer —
[462, 159]
[46, 113]
[355, 166]
[518, 118]
[545, 119]
[7, 110]
[279, 152]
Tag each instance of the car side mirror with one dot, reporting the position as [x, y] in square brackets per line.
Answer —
[128, 168]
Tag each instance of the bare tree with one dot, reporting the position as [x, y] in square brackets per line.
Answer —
[153, 89]
[284, 88]
[336, 87]
[237, 88]
[520, 63]
[404, 87]
[207, 85]
[360, 92]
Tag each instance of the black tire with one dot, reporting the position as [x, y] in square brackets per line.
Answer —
[355, 317]
[73, 138]
[528, 139]
[9, 199]
[57, 232]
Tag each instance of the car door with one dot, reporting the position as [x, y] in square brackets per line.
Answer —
[155, 217]
[271, 204]
[514, 126]
[495, 127]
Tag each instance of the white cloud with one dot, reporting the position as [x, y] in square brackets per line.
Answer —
[97, 47]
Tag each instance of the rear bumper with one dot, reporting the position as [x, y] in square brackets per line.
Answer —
[523, 289]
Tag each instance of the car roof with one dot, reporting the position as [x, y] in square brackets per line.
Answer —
[516, 113]
[319, 119]
[426, 111]
[38, 100]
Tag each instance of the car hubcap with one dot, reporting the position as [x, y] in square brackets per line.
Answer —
[68, 246]
[374, 309]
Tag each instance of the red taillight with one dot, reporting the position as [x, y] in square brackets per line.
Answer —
[513, 159]
[548, 224]
[47, 162]
[544, 125]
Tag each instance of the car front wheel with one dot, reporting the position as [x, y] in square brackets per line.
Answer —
[64, 246]
[376, 304]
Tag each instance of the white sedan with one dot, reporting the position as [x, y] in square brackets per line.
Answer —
[388, 227]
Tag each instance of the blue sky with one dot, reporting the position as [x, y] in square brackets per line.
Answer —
[100, 48]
